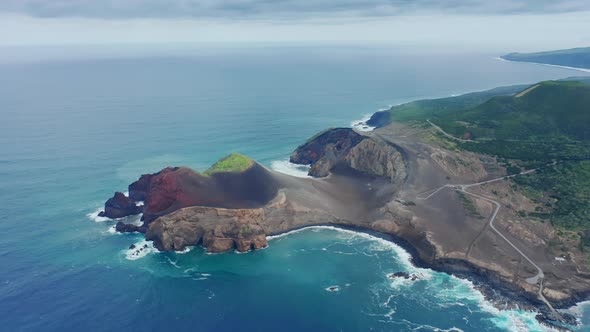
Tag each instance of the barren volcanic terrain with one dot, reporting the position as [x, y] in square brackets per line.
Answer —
[458, 211]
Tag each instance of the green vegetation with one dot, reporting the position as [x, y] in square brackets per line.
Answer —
[235, 162]
[564, 192]
[575, 57]
[549, 122]
[526, 129]
[423, 109]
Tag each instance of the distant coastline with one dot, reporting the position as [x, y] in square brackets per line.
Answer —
[547, 64]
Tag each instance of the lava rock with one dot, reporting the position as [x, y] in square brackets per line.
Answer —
[379, 119]
[325, 150]
[120, 206]
[122, 227]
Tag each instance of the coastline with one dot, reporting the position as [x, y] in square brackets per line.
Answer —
[500, 294]
[471, 273]
[585, 70]
[497, 293]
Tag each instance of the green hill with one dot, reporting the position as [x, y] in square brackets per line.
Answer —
[530, 127]
[422, 109]
[549, 120]
[575, 57]
[233, 163]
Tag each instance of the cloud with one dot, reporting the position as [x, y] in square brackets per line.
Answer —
[269, 9]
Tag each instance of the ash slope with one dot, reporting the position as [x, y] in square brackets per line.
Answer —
[357, 175]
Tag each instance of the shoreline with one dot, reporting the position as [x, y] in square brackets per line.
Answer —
[585, 70]
[493, 289]
[500, 294]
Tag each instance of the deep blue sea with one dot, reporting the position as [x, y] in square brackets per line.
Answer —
[75, 129]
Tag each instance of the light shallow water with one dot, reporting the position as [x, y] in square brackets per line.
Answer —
[75, 131]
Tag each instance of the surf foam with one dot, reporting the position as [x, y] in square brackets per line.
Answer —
[96, 218]
[286, 167]
[462, 290]
[361, 125]
[141, 249]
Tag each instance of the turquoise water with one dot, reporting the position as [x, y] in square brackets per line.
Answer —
[73, 131]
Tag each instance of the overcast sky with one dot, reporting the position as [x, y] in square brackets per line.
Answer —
[526, 24]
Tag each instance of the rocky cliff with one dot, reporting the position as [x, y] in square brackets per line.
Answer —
[226, 210]
[120, 206]
[345, 147]
[325, 150]
[217, 229]
[176, 187]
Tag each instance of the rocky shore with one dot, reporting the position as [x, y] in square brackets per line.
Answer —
[369, 182]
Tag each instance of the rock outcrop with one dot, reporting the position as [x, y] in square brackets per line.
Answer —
[174, 188]
[325, 150]
[120, 206]
[379, 119]
[377, 159]
[123, 227]
[217, 229]
[345, 147]
[225, 210]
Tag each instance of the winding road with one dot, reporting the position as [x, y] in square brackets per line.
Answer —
[447, 134]
[538, 278]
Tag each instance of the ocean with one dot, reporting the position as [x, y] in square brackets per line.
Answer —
[75, 129]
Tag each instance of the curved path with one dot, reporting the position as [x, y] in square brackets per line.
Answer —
[538, 278]
[447, 134]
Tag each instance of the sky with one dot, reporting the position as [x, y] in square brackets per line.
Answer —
[523, 25]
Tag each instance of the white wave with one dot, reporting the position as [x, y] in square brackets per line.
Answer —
[112, 230]
[461, 291]
[510, 319]
[578, 310]
[95, 216]
[398, 283]
[378, 244]
[173, 263]
[334, 288]
[184, 251]
[361, 125]
[286, 167]
[134, 219]
[142, 249]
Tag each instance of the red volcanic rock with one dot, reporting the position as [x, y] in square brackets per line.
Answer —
[120, 206]
[139, 189]
[176, 187]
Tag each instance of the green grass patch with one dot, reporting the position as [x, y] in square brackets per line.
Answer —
[234, 163]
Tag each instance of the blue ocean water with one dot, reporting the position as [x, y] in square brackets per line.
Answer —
[74, 130]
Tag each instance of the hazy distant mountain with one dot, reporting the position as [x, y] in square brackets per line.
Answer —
[575, 57]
